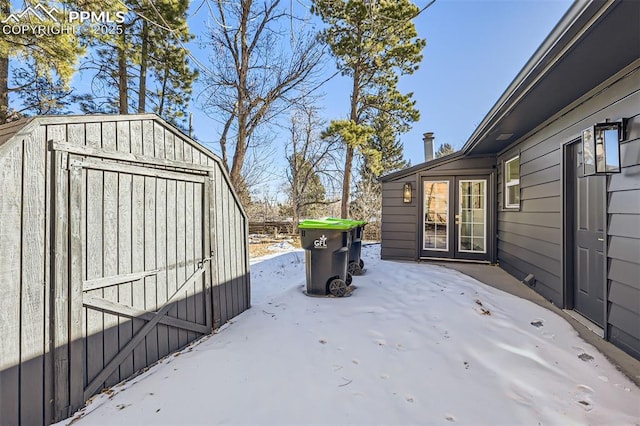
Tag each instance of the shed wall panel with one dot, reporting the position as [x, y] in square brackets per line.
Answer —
[116, 231]
[172, 258]
[125, 260]
[60, 281]
[138, 262]
[33, 343]
[11, 166]
[123, 140]
[110, 256]
[94, 249]
[162, 293]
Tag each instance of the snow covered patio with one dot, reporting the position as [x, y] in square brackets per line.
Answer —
[414, 344]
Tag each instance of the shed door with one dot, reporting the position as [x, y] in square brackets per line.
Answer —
[588, 245]
[455, 216]
[141, 257]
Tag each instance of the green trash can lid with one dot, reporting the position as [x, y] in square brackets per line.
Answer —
[324, 224]
[352, 222]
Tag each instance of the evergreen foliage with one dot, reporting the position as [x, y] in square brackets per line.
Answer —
[373, 42]
[444, 149]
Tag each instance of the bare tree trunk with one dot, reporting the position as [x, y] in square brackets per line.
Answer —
[4, 89]
[4, 74]
[295, 185]
[348, 163]
[346, 184]
[241, 152]
[223, 140]
[165, 80]
[122, 76]
[243, 98]
[144, 58]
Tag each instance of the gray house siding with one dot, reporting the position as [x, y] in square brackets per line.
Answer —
[578, 235]
[624, 245]
[530, 238]
[44, 278]
[399, 219]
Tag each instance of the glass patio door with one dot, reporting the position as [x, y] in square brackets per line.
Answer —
[436, 229]
[471, 218]
[454, 221]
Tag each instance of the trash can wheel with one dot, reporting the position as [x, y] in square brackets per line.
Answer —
[349, 279]
[354, 268]
[361, 264]
[337, 287]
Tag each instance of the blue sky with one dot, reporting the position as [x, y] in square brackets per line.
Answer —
[475, 48]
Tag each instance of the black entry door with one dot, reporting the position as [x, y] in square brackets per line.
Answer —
[588, 245]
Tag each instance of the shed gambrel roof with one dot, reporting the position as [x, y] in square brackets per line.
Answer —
[592, 41]
[8, 130]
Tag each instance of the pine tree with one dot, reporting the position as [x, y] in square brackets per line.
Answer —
[169, 63]
[146, 63]
[367, 197]
[445, 149]
[40, 63]
[44, 95]
[373, 43]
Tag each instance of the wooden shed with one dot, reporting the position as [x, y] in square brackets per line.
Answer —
[519, 193]
[121, 241]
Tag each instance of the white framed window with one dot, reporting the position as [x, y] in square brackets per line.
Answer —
[512, 183]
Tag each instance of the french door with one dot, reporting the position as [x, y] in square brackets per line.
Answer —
[454, 217]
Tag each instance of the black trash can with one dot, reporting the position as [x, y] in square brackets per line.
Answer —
[326, 245]
[356, 264]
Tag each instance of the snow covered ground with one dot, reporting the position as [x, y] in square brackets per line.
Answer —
[413, 344]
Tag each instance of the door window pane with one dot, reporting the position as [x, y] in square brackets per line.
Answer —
[472, 226]
[436, 216]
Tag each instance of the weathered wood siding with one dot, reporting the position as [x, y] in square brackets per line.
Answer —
[399, 221]
[231, 278]
[62, 226]
[24, 299]
[529, 239]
